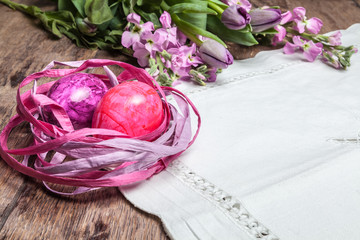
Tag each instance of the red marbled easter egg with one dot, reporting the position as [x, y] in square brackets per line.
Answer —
[133, 108]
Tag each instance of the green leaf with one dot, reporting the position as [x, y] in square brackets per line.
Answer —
[98, 11]
[219, 3]
[79, 5]
[191, 8]
[116, 33]
[198, 20]
[215, 26]
[148, 3]
[188, 27]
[66, 5]
[266, 32]
[149, 17]
[117, 23]
[106, 24]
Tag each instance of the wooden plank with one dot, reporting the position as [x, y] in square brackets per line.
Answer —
[27, 209]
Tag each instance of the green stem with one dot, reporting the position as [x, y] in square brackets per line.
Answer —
[21, 7]
[164, 6]
[159, 63]
[215, 7]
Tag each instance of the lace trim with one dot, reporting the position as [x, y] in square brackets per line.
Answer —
[228, 204]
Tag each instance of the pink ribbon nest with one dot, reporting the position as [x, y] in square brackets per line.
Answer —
[95, 162]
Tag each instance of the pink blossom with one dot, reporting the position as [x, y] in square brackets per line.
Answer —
[152, 42]
[286, 17]
[142, 55]
[167, 32]
[310, 49]
[165, 20]
[279, 37]
[169, 35]
[181, 38]
[335, 38]
[313, 24]
[128, 38]
[133, 18]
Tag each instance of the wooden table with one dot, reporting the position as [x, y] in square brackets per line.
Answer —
[27, 209]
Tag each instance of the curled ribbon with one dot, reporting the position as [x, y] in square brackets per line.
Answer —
[127, 159]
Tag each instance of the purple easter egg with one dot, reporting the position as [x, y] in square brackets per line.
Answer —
[79, 95]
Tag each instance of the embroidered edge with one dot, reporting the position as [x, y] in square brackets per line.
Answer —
[228, 204]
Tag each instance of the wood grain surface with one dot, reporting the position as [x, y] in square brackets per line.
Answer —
[27, 209]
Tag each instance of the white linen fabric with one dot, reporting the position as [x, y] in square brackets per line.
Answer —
[277, 156]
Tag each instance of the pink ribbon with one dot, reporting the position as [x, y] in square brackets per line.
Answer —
[127, 160]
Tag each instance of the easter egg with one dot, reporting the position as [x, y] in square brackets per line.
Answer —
[78, 94]
[132, 107]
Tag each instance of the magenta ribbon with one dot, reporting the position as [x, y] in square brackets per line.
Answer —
[126, 159]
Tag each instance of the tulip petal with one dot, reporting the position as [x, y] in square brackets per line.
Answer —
[263, 19]
[235, 17]
[215, 54]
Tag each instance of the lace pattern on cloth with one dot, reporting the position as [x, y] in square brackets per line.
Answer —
[228, 204]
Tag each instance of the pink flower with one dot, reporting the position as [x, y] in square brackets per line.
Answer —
[183, 58]
[165, 20]
[142, 55]
[152, 42]
[169, 35]
[279, 37]
[286, 17]
[335, 38]
[128, 38]
[313, 24]
[310, 49]
[167, 32]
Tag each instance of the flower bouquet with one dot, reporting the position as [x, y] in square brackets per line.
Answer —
[186, 40]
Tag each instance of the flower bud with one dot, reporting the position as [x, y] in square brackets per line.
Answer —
[85, 26]
[215, 54]
[235, 17]
[263, 19]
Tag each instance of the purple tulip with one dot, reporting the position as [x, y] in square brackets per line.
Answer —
[263, 19]
[235, 17]
[215, 54]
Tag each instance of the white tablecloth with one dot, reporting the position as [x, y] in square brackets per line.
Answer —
[277, 155]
